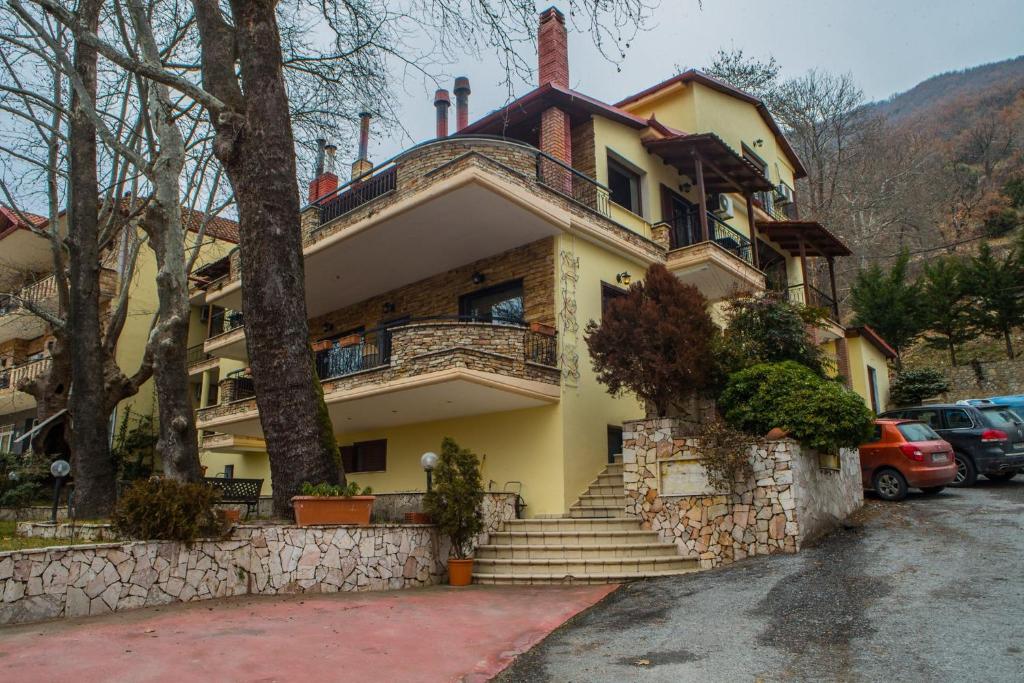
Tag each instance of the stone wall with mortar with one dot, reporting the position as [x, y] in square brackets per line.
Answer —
[763, 515]
[982, 379]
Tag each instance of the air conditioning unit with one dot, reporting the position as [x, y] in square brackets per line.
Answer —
[721, 206]
[783, 194]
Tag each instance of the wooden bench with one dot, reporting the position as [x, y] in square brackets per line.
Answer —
[243, 491]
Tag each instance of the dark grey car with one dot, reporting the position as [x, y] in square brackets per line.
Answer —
[986, 440]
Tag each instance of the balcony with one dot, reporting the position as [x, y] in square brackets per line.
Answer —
[199, 361]
[719, 265]
[17, 321]
[227, 336]
[232, 443]
[438, 206]
[12, 400]
[424, 370]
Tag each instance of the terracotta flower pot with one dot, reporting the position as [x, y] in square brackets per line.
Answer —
[418, 518]
[314, 510]
[541, 328]
[233, 515]
[350, 340]
[460, 572]
[321, 345]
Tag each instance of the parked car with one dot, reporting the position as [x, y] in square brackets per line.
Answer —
[986, 439]
[1014, 403]
[906, 454]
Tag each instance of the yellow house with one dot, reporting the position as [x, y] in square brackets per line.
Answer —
[26, 267]
[448, 288]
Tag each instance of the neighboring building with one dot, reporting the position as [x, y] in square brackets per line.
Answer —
[448, 289]
[869, 366]
[26, 267]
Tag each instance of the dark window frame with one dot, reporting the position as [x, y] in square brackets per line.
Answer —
[610, 292]
[359, 457]
[623, 169]
[465, 301]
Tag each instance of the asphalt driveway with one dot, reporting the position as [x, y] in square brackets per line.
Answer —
[931, 589]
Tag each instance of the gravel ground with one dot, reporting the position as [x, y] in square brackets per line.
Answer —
[931, 589]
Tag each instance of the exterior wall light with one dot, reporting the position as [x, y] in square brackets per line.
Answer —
[759, 142]
[428, 461]
[478, 278]
[60, 469]
[624, 278]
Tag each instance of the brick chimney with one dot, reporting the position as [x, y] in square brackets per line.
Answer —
[325, 181]
[552, 49]
[361, 166]
[441, 103]
[461, 91]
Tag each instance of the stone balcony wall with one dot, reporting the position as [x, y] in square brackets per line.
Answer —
[788, 501]
[422, 348]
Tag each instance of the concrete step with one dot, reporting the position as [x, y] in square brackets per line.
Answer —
[613, 468]
[508, 579]
[576, 550]
[578, 511]
[599, 500]
[578, 538]
[617, 458]
[581, 565]
[598, 490]
[567, 524]
[605, 479]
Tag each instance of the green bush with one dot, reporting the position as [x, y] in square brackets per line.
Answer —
[324, 489]
[820, 413]
[913, 386]
[24, 479]
[1001, 222]
[454, 500]
[768, 329]
[169, 510]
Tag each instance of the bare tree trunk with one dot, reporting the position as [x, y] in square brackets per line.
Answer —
[92, 465]
[178, 444]
[50, 391]
[255, 145]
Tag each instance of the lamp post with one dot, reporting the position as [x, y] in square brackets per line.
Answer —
[60, 469]
[428, 461]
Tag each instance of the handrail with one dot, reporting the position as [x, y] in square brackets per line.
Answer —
[719, 232]
[224, 321]
[195, 355]
[359, 191]
[566, 180]
[33, 368]
[818, 299]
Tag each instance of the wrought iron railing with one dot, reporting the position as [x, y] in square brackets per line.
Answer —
[241, 386]
[357, 192]
[195, 355]
[770, 204]
[811, 297]
[354, 354]
[225, 320]
[541, 348]
[566, 180]
[686, 231]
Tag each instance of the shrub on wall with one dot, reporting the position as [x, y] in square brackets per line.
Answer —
[656, 342]
[725, 454]
[913, 386]
[455, 498]
[169, 510]
[820, 413]
[768, 329]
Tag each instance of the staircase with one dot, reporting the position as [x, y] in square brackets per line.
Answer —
[595, 543]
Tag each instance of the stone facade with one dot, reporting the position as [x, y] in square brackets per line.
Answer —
[422, 348]
[439, 294]
[788, 501]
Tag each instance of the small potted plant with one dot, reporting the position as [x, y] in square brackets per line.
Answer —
[454, 505]
[325, 503]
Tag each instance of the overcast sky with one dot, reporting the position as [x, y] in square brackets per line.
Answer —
[888, 45]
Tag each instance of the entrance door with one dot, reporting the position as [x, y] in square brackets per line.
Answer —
[681, 215]
[614, 442]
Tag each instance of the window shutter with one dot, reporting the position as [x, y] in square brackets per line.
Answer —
[348, 458]
[373, 456]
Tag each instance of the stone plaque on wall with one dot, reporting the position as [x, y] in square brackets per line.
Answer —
[684, 478]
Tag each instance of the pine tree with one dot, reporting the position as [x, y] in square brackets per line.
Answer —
[947, 309]
[996, 287]
[890, 303]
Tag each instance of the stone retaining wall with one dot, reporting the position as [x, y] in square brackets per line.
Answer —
[788, 501]
[982, 379]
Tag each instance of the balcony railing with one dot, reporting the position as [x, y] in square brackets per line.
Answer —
[10, 378]
[770, 204]
[566, 180]
[35, 293]
[196, 355]
[225, 320]
[686, 231]
[811, 297]
[354, 194]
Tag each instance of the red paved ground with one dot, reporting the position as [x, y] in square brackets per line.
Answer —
[433, 634]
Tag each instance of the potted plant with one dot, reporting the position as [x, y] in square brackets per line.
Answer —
[322, 345]
[541, 328]
[454, 504]
[325, 503]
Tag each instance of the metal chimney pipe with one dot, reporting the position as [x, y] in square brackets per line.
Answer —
[364, 135]
[321, 145]
[461, 91]
[330, 150]
[441, 103]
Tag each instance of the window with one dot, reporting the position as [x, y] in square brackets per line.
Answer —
[625, 186]
[502, 303]
[877, 436]
[1001, 417]
[873, 388]
[932, 417]
[365, 456]
[610, 293]
[958, 419]
[753, 157]
[6, 438]
[918, 431]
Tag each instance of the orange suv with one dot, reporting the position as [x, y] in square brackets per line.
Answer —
[906, 454]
